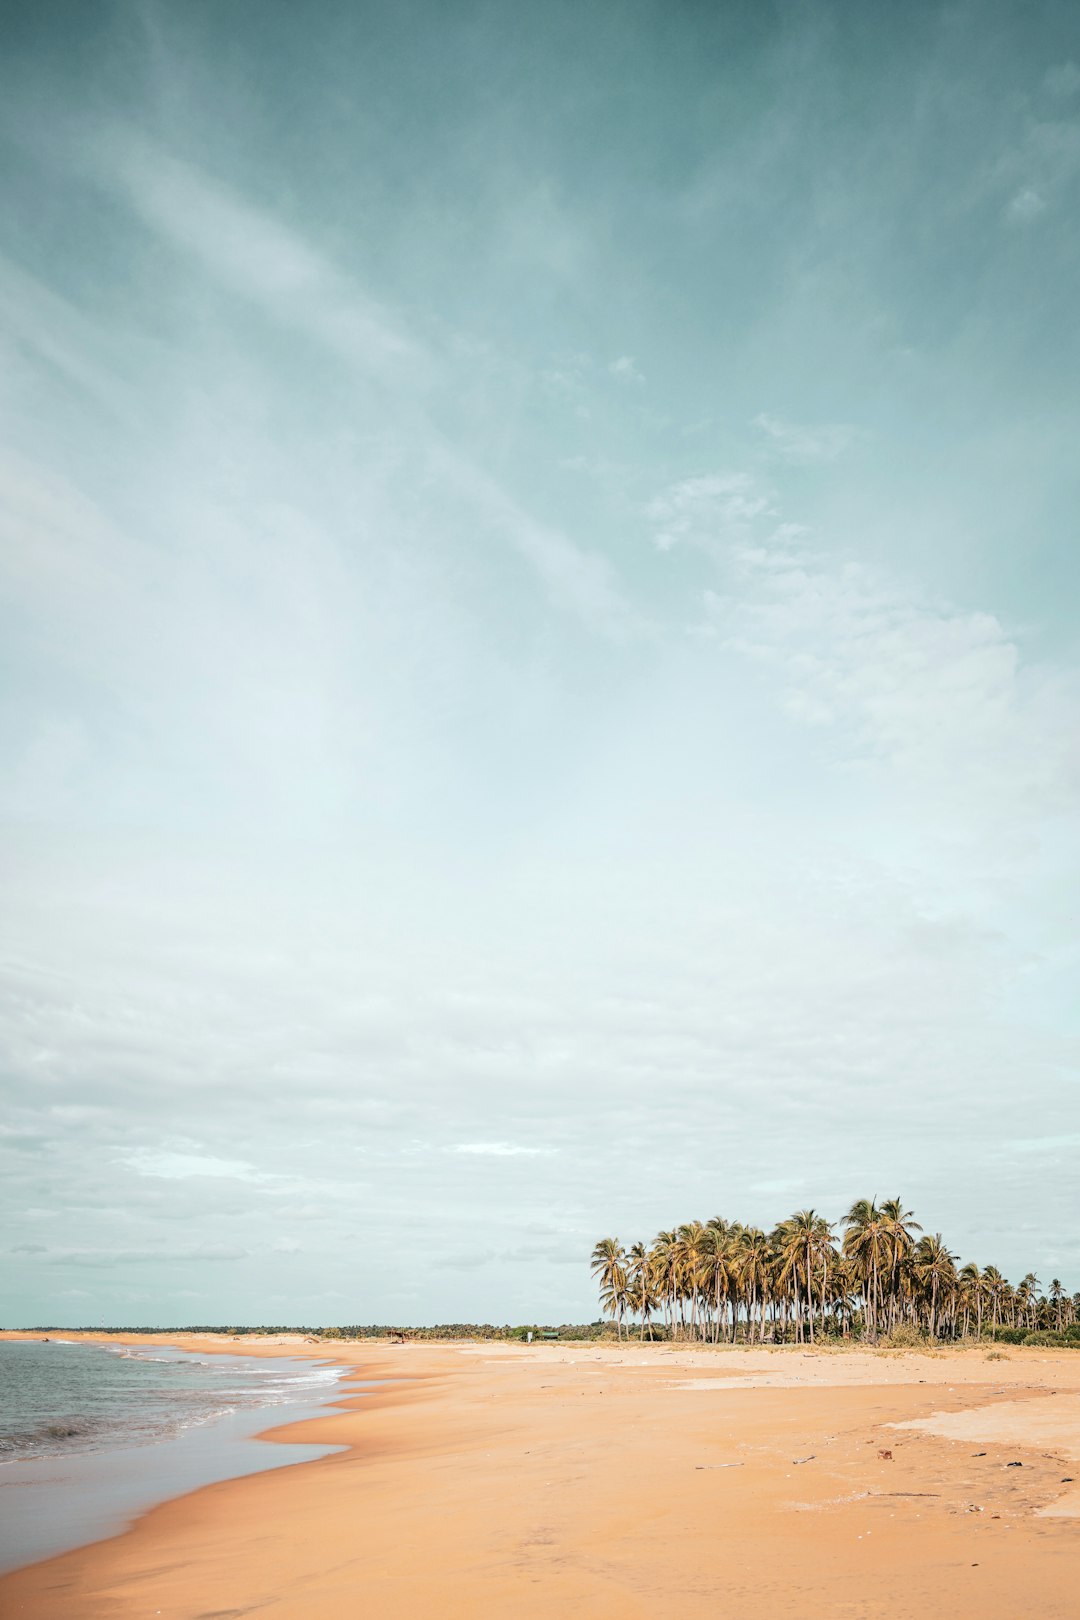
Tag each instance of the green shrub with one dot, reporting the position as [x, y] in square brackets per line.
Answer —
[904, 1337]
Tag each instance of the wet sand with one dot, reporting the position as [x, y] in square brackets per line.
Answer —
[572, 1480]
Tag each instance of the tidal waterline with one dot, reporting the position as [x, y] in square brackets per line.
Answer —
[92, 1435]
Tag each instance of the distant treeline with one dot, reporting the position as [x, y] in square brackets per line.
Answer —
[378, 1330]
[720, 1280]
[97, 1327]
[476, 1330]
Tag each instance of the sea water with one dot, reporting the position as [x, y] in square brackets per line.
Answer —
[93, 1434]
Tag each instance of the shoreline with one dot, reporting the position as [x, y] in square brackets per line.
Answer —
[64, 1500]
[487, 1478]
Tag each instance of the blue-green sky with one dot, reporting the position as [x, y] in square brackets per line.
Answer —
[540, 683]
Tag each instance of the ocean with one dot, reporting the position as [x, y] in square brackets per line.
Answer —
[92, 1434]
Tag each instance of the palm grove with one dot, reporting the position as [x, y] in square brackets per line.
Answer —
[718, 1279]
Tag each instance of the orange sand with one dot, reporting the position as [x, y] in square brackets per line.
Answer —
[565, 1481]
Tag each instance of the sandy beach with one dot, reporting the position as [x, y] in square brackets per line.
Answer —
[580, 1480]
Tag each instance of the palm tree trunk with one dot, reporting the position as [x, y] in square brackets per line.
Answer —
[824, 1285]
[874, 1293]
[809, 1294]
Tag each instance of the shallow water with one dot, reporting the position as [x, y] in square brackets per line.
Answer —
[58, 1397]
[93, 1435]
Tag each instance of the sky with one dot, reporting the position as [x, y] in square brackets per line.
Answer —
[539, 673]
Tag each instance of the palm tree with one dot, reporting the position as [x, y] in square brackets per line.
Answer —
[804, 1245]
[641, 1293]
[996, 1290]
[935, 1270]
[973, 1295]
[846, 1292]
[1027, 1297]
[662, 1259]
[864, 1243]
[1057, 1296]
[824, 1254]
[753, 1262]
[899, 1225]
[689, 1255]
[609, 1268]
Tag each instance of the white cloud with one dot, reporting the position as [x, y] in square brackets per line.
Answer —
[1026, 204]
[625, 370]
[181, 1166]
[938, 693]
[707, 510]
[496, 1150]
[568, 376]
[109, 1257]
[1039, 171]
[823, 442]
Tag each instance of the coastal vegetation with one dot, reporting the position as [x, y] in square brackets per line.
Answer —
[880, 1278]
[440, 1332]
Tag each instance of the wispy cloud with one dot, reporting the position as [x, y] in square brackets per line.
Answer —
[941, 693]
[709, 509]
[625, 370]
[118, 1258]
[1041, 170]
[580, 582]
[47, 328]
[1026, 205]
[795, 442]
[496, 1150]
[171, 1166]
[256, 255]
